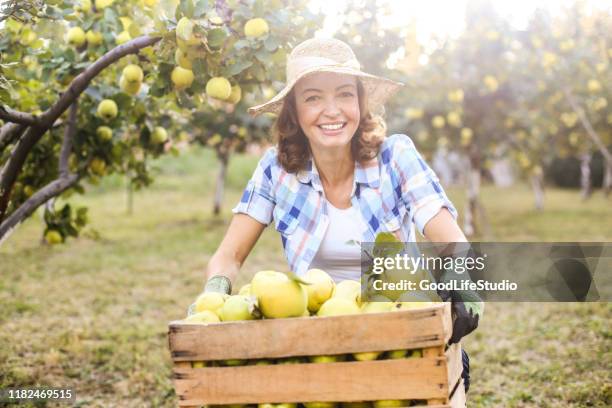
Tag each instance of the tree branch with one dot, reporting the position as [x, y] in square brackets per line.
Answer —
[11, 115]
[53, 189]
[68, 136]
[9, 133]
[586, 123]
[13, 165]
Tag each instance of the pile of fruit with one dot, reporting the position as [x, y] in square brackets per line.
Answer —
[274, 295]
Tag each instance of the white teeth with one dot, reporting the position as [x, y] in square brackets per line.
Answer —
[331, 127]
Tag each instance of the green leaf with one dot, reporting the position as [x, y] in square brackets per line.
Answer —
[237, 68]
[187, 8]
[240, 44]
[216, 37]
[200, 8]
[271, 44]
[110, 16]
[199, 67]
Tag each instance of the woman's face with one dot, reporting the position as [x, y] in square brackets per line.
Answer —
[327, 107]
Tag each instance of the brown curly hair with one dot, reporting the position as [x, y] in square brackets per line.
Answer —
[294, 149]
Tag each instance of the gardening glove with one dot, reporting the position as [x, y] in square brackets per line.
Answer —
[466, 306]
[219, 284]
[465, 319]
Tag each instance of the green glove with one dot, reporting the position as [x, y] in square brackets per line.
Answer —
[219, 284]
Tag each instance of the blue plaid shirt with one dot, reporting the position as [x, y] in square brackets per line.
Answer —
[393, 192]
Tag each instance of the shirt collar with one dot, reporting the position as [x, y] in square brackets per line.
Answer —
[367, 173]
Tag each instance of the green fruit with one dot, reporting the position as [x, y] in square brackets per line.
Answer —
[236, 307]
[159, 135]
[256, 27]
[133, 73]
[321, 288]
[397, 354]
[205, 316]
[367, 356]
[349, 289]
[338, 306]
[182, 60]
[212, 301]
[416, 353]
[107, 109]
[93, 38]
[278, 295]
[235, 95]
[182, 78]
[320, 404]
[218, 88]
[53, 237]
[98, 166]
[85, 6]
[234, 362]
[104, 133]
[389, 404]
[327, 359]
[130, 88]
[76, 36]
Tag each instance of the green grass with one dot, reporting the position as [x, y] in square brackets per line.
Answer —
[93, 314]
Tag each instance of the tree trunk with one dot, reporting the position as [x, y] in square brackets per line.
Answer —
[470, 225]
[130, 196]
[607, 181]
[475, 215]
[537, 184]
[586, 187]
[223, 159]
[586, 123]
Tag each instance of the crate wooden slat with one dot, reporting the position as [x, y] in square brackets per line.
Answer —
[276, 338]
[348, 381]
[456, 401]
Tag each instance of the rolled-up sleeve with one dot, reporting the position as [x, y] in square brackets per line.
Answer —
[257, 200]
[420, 187]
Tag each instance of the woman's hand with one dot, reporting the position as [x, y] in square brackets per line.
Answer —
[223, 267]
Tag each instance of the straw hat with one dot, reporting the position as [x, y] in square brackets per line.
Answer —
[328, 55]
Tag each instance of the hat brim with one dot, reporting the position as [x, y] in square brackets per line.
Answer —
[377, 89]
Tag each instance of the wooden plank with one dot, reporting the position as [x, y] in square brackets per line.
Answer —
[454, 363]
[412, 378]
[436, 352]
[275, 338]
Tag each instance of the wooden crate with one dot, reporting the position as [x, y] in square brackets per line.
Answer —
[435, 378]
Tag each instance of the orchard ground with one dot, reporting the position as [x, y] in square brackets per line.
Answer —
[93, 314]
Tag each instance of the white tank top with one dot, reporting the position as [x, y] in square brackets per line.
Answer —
[335, 256]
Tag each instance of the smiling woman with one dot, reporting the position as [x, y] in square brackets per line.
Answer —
[335, 178]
